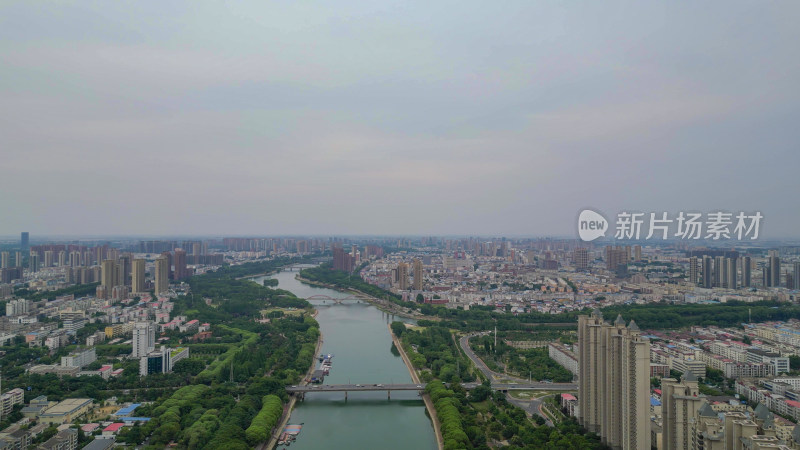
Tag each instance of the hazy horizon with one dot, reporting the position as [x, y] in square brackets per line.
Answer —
[404, 119]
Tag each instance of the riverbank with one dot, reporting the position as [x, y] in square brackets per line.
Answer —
[425, 397]
[287, 414]
[383, 305]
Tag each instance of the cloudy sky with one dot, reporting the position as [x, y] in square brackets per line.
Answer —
[494, 118]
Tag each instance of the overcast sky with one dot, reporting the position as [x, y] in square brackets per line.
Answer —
[493, 117]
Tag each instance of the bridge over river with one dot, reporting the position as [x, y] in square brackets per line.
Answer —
[503, 387]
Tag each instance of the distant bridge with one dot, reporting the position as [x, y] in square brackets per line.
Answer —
[503, 387]
[335, 300]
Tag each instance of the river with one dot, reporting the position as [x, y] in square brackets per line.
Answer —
[356, 333]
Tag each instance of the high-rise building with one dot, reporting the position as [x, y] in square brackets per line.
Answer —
[402, 276]
[680, 402]
[137, 275]
[18, 259]
[581, 258]
[62, 258]
[617, 256]
[162, 274]
[637, 252]
[693, 266]
[33, 262]
[24, 240]
[74, 259]
[48, 258]
[109, 276]
[144, 339]
[342, 260]
[797, 275]
[5, 260]
[730, 273]
[614, 382]
[180, 264]
[774, 278]
[719, 266]
[747, 266]
[124, 264]
[417, 267]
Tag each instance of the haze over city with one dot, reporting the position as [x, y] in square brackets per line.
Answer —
[156, 118]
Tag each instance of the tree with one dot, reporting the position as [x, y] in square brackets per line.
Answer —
[480, 393]
[398, 328]
[190, 366]
[794, 362]
[420, 298]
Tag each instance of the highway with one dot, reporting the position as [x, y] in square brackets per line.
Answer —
[532, 406]
[514, 381]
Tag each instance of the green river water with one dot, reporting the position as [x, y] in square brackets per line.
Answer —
[358, 337]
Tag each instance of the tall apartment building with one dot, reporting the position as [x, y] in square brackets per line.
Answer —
[581, 258]
[730, 273]
[109, 275]
[402, 276]
[74, 259]
[417, 268]
[719, 267]
[615, 256]
[180, 264]
[33, 262]
[5, 260]
[680, 402]
[162, 274]
[137, 275]
[708, 280]
[797, 275]
[747, 266]
[614, 385]
[144, 339]
[124, 266]
[342, 260]
[773, 271]
[48, 258]
[693, 266]
[637, 252]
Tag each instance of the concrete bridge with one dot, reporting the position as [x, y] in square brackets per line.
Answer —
[335, 300]
[503, 387]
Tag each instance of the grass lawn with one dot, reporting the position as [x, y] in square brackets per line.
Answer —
[532, 394]
[286, 311]
[482, 407]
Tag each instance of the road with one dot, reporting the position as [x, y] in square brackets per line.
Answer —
[524, 386]
[494, 377]
[533, 406]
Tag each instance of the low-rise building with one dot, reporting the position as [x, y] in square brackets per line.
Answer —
[560, 354]
[63, 440]
[9, 399]
[66, 411]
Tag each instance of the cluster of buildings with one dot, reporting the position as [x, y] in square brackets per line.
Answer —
[555, 276]
[615, 399]
[68, 416]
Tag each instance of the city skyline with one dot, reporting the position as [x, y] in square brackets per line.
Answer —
[364, 118]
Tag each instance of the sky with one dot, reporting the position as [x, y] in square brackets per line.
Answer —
[416, 118]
